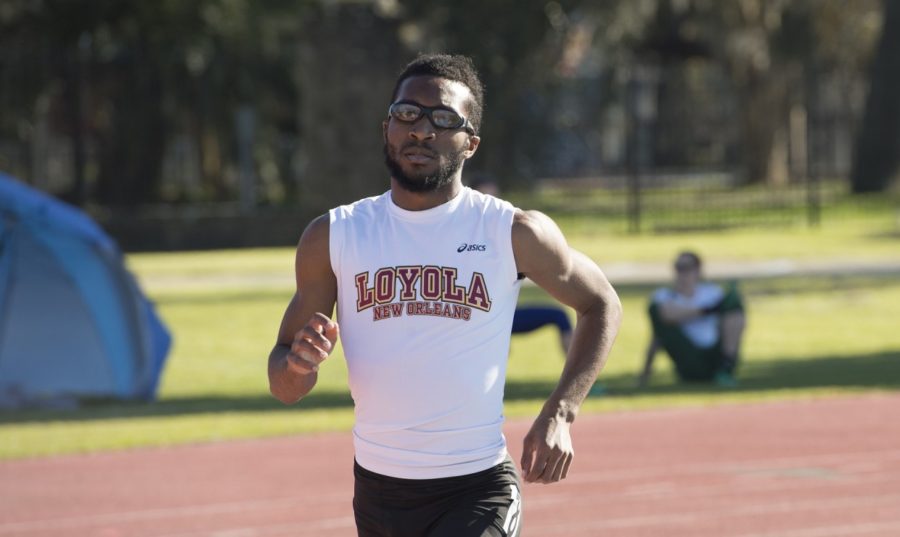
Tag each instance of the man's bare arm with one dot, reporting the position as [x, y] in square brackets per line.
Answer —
[307, 334]
[543, 255]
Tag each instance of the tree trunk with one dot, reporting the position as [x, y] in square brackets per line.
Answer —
[348, 62]
[74, 99]
[877, 156]
[763, 108]
[132, 149]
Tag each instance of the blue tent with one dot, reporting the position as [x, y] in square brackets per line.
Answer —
[73, 323]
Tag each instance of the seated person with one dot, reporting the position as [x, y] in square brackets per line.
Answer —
[699, 324]
[530, 318]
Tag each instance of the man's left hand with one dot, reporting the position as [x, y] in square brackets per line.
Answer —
[548, 451]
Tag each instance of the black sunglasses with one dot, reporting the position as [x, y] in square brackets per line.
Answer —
[440, 117]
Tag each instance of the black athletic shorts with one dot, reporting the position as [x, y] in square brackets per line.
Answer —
[483, 504]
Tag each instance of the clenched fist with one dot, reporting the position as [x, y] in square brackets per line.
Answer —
[312, 344]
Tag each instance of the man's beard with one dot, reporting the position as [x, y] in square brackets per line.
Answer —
[424, 183]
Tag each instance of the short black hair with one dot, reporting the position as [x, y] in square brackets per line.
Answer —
[454, 67]
[692, 256]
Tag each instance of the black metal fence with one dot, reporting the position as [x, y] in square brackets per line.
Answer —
[672, 203]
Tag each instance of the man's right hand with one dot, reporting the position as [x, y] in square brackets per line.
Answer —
[312, 344]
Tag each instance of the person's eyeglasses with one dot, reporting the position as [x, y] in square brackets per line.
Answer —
[441, 118]
[684, 267]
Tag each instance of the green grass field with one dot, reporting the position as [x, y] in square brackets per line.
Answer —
[807, 337]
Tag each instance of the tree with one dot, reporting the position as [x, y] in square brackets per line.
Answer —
[132, 74]
[877, 156]
[771, 50]
[347, 61]
[526, 52]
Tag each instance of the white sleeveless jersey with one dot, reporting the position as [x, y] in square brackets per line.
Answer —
[425, 307]
[703, 331]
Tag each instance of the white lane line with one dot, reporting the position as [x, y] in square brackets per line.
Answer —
[168, 513]
[669, 490]
[885, 528]
[296, 529]
[746, 467]
[742, 466]
[718, 513]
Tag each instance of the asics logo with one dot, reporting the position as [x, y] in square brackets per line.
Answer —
[464, 247]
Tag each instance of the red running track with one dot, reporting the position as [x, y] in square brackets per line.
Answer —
[819, 468]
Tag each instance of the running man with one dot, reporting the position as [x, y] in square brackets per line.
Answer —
[425, 278]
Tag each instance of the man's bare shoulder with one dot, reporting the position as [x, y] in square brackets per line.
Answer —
[315, 237]
[318, 228]
[533, 227]
[538, 243]
[528, 217]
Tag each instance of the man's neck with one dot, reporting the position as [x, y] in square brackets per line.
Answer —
[421, 201]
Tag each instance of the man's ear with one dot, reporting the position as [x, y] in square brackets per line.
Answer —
[384, 127]
[474, 141]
